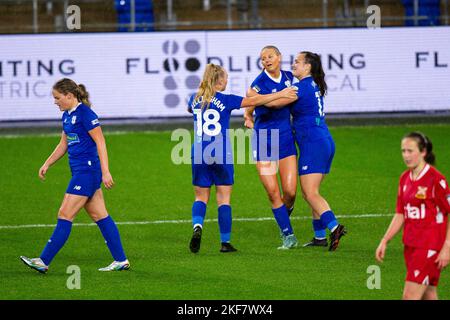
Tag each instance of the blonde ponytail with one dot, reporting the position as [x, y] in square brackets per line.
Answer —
[206, 90]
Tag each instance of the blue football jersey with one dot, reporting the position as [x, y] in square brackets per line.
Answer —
[271, 118]
[82, 149]
[211, 140]
[308, 110]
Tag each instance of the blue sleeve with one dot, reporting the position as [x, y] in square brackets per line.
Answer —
[301, 89]
[234, 101]
[189, 107]
[256, 84]
[89, 119]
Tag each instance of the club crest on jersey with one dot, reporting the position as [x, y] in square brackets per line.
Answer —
[421, 193]
[287, 83]
[74, 119]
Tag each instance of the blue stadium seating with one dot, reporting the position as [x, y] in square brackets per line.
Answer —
[144, 14]
[429, 8]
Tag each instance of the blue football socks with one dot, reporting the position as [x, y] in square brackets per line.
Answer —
[320, 231]
[198, 213]
[57, 240]
[112, 238]
[282, 217]
[225, 222]
[329, 220]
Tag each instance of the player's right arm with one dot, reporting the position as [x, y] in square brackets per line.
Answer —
[57, 154]
[396, 225]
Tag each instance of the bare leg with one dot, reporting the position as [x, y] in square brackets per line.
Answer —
[288, 177]
[413, 291]
[95, 207]
[270, 182]
[310, 184]
[223, 195]
[70, 206]
[202, 194]
[430, 293]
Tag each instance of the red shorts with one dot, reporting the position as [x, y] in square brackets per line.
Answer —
[420, 266]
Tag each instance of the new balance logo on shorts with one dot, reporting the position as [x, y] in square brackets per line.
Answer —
[77, 188]
[305, 168]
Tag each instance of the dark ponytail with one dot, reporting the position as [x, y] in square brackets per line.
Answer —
[67, 85]
[424, 143]
[316, 70]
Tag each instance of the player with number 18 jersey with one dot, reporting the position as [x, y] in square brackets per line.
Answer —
[212, 157]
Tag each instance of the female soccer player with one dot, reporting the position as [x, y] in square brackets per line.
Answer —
[273, 143]
[423, 205]
[315, 143]
[83, 139]
[212, 160]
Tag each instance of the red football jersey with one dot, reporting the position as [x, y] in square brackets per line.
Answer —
[425, 204]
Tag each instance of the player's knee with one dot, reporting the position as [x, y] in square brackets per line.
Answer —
[410, 295]
[65, 214]
[222, 202]
[289, 198]
[202, 198]
[222, 198]
[309, 195]
[98, 216]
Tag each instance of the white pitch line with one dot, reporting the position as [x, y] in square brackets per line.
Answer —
[27, 226]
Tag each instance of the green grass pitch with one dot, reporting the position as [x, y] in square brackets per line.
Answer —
[150, 188]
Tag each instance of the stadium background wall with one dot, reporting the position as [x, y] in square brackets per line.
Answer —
[150, 75]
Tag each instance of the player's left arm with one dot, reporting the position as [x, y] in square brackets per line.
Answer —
[264, 99]
[443, 202]
[280, 103]
[97, 135]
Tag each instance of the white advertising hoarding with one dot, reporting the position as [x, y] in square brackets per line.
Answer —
[131, 75]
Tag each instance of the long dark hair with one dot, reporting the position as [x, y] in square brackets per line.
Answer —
[424, 143]
[316, 70]
[67, 85]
